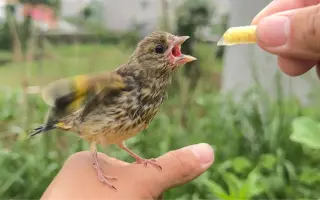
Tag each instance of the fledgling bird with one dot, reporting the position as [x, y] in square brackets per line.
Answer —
[111, 107]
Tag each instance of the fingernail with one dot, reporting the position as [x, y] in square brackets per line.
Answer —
[273, 31]
[203, 152]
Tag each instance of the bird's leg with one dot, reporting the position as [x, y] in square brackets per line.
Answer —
[140, 160]
[103, 178]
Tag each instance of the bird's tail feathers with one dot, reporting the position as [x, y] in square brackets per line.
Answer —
[45, 128]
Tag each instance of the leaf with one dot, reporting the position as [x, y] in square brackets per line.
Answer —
[241, 164]
[290, 169]
[310, 176]
[245, 190]
[256, 188]
[217, 190]
[233, 183]
[306, 132]
[224, 166]
[8, 183]
[268, 161]
[275, 182]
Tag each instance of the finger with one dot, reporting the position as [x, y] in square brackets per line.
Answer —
[282, 5]
[294, 33]
[318, 70]
[295, 67]
[178, 167]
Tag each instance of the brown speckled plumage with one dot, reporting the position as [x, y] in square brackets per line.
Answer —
[123, 114]
[121, 103]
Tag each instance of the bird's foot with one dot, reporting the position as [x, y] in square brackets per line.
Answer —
[151, 161]
[103, 178]
[139, 159]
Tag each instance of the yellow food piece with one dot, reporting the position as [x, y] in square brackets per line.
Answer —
[238, 35]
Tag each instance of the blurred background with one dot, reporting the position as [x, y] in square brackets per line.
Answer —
[262, 124]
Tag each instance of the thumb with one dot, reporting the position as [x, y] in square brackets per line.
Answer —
[294, 33]
[179, 167]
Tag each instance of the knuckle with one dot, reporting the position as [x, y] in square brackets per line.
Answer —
[186, 167]
[77, 156]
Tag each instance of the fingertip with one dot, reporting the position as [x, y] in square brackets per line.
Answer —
[178, 167]
[295, 67]
[273, 31]
[268, 10]
[318, 69]
[204, 153]
[279, 6]
[258, 17]
[254, 21]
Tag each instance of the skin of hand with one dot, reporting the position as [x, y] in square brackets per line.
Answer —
[290, 29]
[77, 180]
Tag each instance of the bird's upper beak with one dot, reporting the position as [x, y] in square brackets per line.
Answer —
[174, 51]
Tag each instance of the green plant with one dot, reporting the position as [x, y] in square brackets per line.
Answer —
[254, 155]
[237, 188]
[306, 131]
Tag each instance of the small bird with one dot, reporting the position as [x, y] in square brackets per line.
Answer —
[111, 107]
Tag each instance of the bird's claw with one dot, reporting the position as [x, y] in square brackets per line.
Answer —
[151, 161]
[103, 178]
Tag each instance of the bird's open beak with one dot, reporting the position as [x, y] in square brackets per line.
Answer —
[175, 54]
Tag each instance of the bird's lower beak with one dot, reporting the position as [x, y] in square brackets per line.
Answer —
[178, 57]
[183, 59]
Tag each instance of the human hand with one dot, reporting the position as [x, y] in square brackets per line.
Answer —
[291, 30]
[78, 180]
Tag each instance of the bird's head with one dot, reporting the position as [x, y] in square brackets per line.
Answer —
[161, 51]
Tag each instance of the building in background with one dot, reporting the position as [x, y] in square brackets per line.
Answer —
[42, 15]
[122, 15]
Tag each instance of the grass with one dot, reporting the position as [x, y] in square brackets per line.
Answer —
[24, 155]
[255, 159]
[74, 59]
[67, 61]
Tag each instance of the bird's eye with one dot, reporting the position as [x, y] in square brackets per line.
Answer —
[159, 49]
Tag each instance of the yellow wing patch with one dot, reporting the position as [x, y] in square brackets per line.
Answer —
[81, 87]
[71, 93]
[81, 84]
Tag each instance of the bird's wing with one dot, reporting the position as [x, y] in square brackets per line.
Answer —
[106, 95]
[69, 94]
